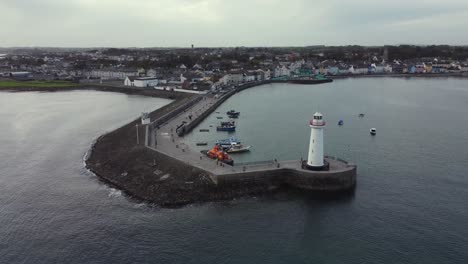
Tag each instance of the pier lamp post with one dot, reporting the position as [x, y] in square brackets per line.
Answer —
[138, 139]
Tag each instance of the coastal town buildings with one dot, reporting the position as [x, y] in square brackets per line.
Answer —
[215, 68]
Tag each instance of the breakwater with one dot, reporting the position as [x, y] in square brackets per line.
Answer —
[165, 171]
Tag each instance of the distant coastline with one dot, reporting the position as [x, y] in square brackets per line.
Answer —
[70, 86]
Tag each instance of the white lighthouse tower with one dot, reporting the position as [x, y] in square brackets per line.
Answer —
[315, 160]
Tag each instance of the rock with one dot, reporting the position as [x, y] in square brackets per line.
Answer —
[164, 177]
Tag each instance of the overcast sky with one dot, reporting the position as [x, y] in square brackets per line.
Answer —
[168, 23]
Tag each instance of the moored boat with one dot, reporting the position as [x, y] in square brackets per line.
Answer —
[373, 131]
[238, 148]
[233, 114]
[228, 123]
[226, 143]
[228, 128]
[340, 123]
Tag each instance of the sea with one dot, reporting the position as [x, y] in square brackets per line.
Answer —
[409, 206]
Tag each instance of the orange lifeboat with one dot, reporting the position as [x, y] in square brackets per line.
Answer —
[218, 153]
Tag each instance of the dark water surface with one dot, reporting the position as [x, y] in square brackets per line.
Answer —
[409, 205]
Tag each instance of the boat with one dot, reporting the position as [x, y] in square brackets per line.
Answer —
[226, 127]
[361, 115]
[373, 131]
[202, 143]
[219, 117]
[219, 154]
[238, 148]
[226, 143]
[340, 123]
[204, 130]
[228, 123]
[233, 114]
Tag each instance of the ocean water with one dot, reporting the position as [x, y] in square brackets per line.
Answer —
[409, 205]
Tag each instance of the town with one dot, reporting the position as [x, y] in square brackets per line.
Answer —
[199, 70]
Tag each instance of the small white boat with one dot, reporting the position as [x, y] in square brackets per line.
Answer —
[238, 148]
[373, 131]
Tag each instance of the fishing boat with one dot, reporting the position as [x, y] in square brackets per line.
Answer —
[228, 123]
[238, 148]
[340, 123]
[226, 143]
[219, 154]
[233, 114]
[204, 143]
[373, 131]
[228, 128]
[361, 115]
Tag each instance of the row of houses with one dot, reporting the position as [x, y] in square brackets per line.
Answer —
[343, 69]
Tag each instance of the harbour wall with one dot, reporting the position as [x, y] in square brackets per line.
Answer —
[188, 127]
[324, 181]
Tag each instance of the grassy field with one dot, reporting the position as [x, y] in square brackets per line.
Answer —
[36, 84]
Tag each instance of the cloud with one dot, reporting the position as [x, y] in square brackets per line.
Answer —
[123, 23]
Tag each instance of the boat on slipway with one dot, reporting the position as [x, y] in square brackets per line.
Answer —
[218, 154]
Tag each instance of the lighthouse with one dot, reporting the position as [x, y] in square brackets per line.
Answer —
[315, 160]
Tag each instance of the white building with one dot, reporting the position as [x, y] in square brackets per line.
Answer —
[145, 82]
[249, 77]
[141, 81]
[109, 74]
[282, 71]
[233, 78]
[267, 75]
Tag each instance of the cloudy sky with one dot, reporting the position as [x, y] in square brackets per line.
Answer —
[168, 23]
